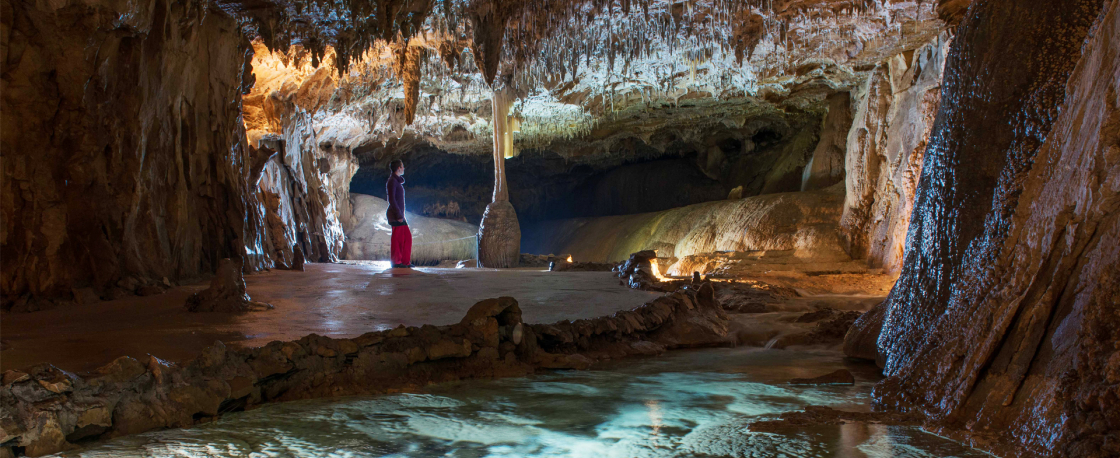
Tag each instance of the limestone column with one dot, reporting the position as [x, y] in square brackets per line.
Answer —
[499, 235]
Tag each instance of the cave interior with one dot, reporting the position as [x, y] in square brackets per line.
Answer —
[653, 228]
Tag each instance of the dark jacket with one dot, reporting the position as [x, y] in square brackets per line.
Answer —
[394, 193]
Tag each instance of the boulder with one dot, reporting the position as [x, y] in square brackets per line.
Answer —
[862, 338]
[504, 309]
[635, 262]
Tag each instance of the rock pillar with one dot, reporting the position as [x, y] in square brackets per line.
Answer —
[499, 235]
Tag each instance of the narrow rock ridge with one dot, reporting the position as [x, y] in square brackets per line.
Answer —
[46, 410]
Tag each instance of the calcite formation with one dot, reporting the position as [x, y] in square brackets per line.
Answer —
[153, 149]
[803, 225]
[895, 110]
[1003, 322]
[46, 410]
[499, 233]
[826, 165]
[499, 236]
[971, 147]
[433, 239]
[140, 169]
[124, 157]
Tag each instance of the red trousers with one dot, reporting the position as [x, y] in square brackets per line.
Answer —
[400, 245]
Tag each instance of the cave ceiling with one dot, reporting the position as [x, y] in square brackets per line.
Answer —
[589, 75]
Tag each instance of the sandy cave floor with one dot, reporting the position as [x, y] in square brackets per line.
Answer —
[336, 300]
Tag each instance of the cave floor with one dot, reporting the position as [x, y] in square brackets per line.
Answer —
[336, 300]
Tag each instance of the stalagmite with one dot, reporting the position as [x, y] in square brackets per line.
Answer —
[499, 234]
[937, 181]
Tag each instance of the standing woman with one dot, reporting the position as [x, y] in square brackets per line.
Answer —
[400, 244]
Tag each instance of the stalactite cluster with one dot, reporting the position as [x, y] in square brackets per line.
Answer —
[597, 57]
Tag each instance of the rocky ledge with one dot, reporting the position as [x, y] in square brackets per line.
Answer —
[47, 410]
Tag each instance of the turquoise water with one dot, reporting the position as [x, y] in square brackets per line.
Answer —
[683, 404]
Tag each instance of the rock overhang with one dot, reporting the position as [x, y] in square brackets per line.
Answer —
[586, 73]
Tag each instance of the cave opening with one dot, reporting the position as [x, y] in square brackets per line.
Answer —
[560, 228]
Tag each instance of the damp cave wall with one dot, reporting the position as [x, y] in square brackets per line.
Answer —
[872, 139]
[125, 159]
[1004, 321]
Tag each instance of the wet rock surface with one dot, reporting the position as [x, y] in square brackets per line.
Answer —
[997, 323]
[822, 415]
[838, 377]
[46, 409]
[862, 339]
[125, 162]
[894, 114]
[751, 298]
[141, 169]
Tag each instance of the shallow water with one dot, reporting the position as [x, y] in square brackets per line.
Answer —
[683, 404]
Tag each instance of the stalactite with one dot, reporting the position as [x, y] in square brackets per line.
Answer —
[407, 67]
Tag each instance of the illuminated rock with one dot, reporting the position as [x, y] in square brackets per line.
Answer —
[1003, 322]
[499, 234]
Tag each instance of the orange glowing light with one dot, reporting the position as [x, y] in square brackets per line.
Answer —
[657, 271]
[569, 258]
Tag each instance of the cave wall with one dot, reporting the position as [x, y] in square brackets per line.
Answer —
[124, 157]
[305, 191]
[803, 223]
[895, 109]
[1004, 320]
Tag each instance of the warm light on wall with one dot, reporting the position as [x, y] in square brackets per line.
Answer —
[657, 271]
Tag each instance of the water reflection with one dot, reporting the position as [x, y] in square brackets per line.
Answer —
[686, 404]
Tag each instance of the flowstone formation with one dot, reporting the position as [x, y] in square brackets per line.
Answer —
[788, 227]
[124, 159]
[1002, 327]
[870, 148]
[434, 239]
